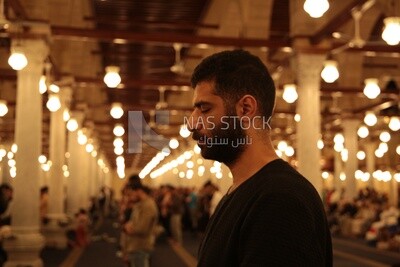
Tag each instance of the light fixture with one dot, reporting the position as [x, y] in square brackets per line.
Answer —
[360, 155]
[116, 110]
[173, 143]
[3, 108]
[316, 8]
[371, 89]
[118, 150]
[17, 59]
[42, 85]
[89, 148]
[363, 132]
[112, 78]
[384, 136]
[54, 88]
[119, 130]
[184, 131]
[289, 93]
[53, 103]
[82, 138]
[320, 144]
[330, 72]
[72, 125]
[391, 33]
[118, 142]
[370, 119]
[66, 115]
[394, 123]
[282, 145]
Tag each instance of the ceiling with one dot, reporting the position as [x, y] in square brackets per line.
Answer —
[157, 43]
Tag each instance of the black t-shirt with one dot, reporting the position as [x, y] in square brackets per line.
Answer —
[275, 218]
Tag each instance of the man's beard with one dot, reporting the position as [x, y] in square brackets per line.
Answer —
[230, 141]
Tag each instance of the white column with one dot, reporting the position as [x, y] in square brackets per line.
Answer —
[351, 144]
[5, 169]
[74, 186]
[338, 169]
[25, 248]
[308, 107]
[94, 185]
[85, 177]
[370, 162]
[393, 192]
[55, 235]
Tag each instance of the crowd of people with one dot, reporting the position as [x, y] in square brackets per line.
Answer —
[146, 213]
[368, 216]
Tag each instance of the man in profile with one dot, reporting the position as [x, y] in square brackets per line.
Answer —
[271, 215]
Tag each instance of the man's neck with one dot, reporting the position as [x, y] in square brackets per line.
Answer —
[250, 162]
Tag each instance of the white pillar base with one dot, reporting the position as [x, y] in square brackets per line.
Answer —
[55, 231]
[24, 250]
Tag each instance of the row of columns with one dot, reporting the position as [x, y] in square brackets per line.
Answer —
[85, 177]
[309, 67]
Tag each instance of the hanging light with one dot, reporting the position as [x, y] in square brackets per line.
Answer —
[361, 155]
[330, 72]
[82, 138]
[112, 78]
[363, 132]
[66, 115]
[42, 85]
[316, 8]
[384, 136]
[116, 110]
[173, 143]
[371, 89]
[289, 93]
[394, 123]
[72, 125]
[391, 33]
[118, 150]
[184, 131]
[370, 119]
[53, 104]
[3, 108]
[54, 88]
[119, 130]
[118, 142]
[17, 59]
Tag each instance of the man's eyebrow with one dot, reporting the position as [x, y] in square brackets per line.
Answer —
[200, 103]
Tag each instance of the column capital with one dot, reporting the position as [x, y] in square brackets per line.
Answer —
[35, 51]
[309, 66]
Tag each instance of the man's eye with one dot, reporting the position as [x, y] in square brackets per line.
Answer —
[204, 109]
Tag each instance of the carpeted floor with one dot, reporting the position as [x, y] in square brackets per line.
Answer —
[102, 252]
[53, 257]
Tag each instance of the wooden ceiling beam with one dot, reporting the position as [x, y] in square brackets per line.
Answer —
[133, 83]
[143, 23]
[18, 8]
[59, 32]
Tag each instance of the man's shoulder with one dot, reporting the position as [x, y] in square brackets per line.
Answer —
[149, 203]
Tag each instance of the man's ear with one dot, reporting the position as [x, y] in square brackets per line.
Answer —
[247, 106]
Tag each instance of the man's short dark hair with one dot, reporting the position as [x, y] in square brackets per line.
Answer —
[139, 186]
[237, 73]
[6, 186]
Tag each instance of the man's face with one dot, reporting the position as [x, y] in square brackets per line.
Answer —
[133, 195]
[215, 129]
